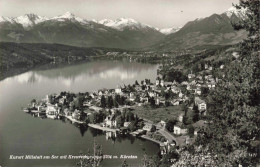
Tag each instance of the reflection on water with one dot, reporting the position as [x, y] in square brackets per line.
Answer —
[70, 76]
[21, 134]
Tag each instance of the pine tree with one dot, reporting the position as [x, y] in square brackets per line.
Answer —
[103, 101]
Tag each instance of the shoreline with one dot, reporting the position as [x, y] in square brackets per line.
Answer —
[152, 140]
[95, 126]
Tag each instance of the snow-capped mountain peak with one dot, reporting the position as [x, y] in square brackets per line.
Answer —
[122, 23]
[168, 31]
[6, 19]
[66, 15]
[28, 20]
[69, 16]
[241, 13]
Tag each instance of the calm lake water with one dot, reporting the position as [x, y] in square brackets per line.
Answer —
[22, 134]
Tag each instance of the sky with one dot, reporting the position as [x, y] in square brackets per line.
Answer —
[157, 13]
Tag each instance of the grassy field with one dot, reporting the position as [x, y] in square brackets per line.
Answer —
[158, 114]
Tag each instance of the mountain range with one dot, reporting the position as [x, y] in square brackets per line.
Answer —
[124, 33]
[201, 33]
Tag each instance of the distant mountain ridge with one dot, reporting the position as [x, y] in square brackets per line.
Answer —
[168, 31]
[69, 29]
[123, 33]
[213, 30]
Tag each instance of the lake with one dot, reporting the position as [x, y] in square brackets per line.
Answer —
[22, 134]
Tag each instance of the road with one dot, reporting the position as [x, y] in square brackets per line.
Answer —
[167, 135]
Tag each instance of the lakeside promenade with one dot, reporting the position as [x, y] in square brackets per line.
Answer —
[103, 128]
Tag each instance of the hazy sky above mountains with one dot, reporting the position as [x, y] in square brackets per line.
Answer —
[157, 13]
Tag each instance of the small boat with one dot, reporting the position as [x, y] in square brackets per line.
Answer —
[27, 110]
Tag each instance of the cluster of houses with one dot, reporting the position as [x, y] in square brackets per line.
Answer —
[64, 105]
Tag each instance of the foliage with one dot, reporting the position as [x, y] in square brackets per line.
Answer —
[190, 130]
[103, 101]
[174, 75]
[153, 129]
[234, 106]
[170, 123]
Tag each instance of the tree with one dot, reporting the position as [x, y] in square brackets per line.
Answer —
[153, 129]
[79, 101]
[150, 161]
[129, 116]
[152, 101]
[117, 100]
[204, 91]
[137, 98]
[170, 123]
[110, 102]
[119, 121]
[136, 82]
[93, 118]
[132, 126]
[234, 105]
[103, 101]
[190, 130]
[196, 114]
[184, 107]
[115, 103]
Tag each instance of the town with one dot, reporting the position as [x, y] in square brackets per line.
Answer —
[169, 113]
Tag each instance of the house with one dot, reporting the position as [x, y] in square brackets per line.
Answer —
[87, 103]
[110, 121]
[206, 66]
[41, 108]
[157, 82]
[211, 85]
[190, 76]
[198, 91]
[180, 118]
[52, 111]
[199, 77]
[67, 112]
[118, 90]
[179, 129]
[162, 124]
[100, 93]
[207, 77]
[159, 101]
[175, 89]
[132, 96]
[184, 83]
[198, 85]
[151, 94]
[202, 106]
[148, 127]
[162, 83]
[193, 82]
[93, 95]
[76, 115]
[126, 124]
[181, 95]
[175, 102]
[138, 88]
[144, 99]
[62, 100]
[168, 84]
[197, 126]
